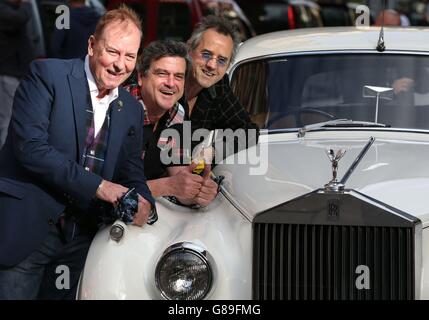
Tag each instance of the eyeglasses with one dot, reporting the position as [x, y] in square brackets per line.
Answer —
[221, 61]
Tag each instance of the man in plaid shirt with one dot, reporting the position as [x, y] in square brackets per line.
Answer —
[209, 101]
[161, 79]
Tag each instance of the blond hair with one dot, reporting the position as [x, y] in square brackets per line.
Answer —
[121, 14]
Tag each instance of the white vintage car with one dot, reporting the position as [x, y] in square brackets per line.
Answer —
[337, 205]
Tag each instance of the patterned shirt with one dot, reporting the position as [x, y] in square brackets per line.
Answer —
[176, 115]
[217, 107]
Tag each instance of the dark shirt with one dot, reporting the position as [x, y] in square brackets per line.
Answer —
[16, 50]
[157, 140]
[217, 107]
[154, 142]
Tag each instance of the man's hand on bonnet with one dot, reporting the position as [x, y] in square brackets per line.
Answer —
[110, 192]
[143, 212]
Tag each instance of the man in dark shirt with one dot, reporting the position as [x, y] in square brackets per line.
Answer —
[161, 79]
[209, 101]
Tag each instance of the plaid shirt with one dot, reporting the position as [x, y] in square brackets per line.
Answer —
[176, 114]
[217, 107]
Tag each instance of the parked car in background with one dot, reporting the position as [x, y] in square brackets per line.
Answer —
[335, 13]
[274, 15]
[418, 12]
[230, 10]
[335, 208]
[164, 19]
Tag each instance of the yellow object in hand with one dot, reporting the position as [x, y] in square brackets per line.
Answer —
[200, 166]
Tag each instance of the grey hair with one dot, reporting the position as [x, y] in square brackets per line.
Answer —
[220, 25]
[160, 49]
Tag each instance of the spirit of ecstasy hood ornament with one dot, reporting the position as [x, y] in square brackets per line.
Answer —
[338, 186]
[334, 185]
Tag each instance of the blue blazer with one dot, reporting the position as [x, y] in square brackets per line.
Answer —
[39, 163]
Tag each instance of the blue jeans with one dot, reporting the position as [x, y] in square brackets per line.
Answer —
[37, 276]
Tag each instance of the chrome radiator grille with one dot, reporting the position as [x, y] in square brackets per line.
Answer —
[335, 246]
[321, 262]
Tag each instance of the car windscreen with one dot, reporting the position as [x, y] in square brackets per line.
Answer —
[295, 91]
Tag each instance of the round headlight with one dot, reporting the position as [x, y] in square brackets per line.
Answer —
[183, 273]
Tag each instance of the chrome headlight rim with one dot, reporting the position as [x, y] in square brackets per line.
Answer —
[194, 249]
[116, 232]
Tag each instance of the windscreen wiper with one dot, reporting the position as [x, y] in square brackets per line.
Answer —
[338, 123]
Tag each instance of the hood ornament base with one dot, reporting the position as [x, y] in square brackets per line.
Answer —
[334, 186]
